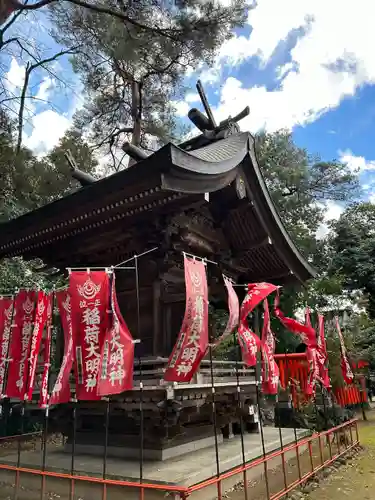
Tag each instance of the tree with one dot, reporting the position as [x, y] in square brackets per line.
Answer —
[29, 182]
[352, 249]
[132, 66]
[299, 183]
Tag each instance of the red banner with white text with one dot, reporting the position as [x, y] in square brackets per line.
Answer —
[192, 340]
[20, 344]
[321, 354]
[234, 310]
[270, 370]
[6, 316]
[43, 401]
[117, 357]
[256, 293]
[61, 390]
[313, 374]
[346, 370]
[250, 342]
[36, 339]
[89, 292]
[307, 334]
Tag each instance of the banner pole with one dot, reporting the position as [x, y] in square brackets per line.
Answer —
[46, 414]
[141, 434]
[239, 403]
[23, 407]
[106, 426]
[5, 402]
[72, 461]
[294, 421]
[258, 377]
[214, 420]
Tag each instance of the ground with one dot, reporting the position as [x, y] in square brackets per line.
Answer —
[356, 479]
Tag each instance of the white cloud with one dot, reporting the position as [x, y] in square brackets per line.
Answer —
[181, 107]
[331, 59]
[356, 164]
[15, 76]
[332, 211]
[48, 128]
[192, 97]
[45, 88]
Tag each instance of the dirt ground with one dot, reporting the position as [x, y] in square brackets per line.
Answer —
[355, 479]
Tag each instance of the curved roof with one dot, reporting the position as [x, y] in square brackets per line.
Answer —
[98, 223]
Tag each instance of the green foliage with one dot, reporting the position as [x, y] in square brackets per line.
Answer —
[132, 70]
[298, 184]
[352, 248]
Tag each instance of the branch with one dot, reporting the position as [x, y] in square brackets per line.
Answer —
[29, 69]
[97, 8]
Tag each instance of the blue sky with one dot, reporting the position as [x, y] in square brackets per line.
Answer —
[304, 65]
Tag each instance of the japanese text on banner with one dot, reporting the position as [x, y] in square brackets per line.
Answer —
[270, 370]
[89, 293]
[192, 341]
[39, 323]
[20, 344]
[6, 316]
[346, 370]
[43, 401]
[117, 359]
[61, 390]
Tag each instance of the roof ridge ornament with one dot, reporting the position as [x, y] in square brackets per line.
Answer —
[207, 123]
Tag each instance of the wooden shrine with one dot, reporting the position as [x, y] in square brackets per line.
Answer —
[207, 197]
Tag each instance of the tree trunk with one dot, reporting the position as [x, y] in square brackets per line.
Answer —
[136, 113]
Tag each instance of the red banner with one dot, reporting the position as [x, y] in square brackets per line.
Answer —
[346, 370]
[61, 391]
[270, 370]
[250, 344]
[20, 344]
[89, 292]
[43, 402]
[312, 357]
[6, 316]
[117, 358]
[322, 355]
[306, 332]
[308, 337]
[255, 294]
[234, 310]
[39, 324]
[192, 340]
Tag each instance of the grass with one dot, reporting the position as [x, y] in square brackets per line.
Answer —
[355, 480]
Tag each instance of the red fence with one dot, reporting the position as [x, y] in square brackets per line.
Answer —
[319, 451]
[294, 369]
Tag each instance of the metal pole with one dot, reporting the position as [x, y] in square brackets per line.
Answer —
[281, 440]
[106, 426]
[294, 425]
[239, 403]
[72, 484]
[5, 402]
[141, 434]
[46, 414]
[258, 375]
[258, 378]
[214, 420]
